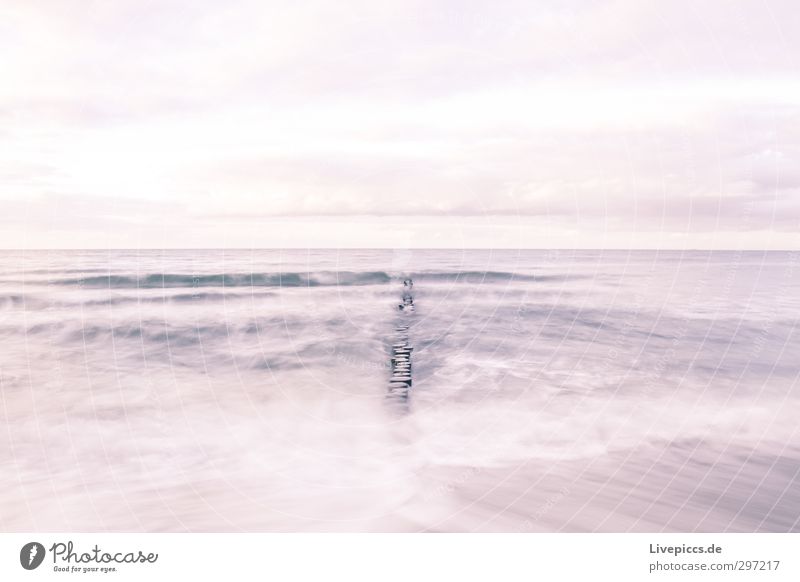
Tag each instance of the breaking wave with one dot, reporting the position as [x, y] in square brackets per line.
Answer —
[181, 280]
[291, 279]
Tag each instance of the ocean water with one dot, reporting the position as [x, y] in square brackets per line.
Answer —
[246, 390]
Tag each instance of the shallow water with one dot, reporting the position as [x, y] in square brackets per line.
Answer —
[246, 390]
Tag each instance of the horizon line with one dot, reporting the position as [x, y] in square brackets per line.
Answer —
[622, 249]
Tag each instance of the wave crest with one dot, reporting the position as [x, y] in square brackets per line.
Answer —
[178, 280]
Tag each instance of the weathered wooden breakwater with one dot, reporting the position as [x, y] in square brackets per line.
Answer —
[401, 380]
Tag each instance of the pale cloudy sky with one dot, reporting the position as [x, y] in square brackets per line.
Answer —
[416, 123]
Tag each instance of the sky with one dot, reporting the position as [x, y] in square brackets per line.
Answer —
[530, 124]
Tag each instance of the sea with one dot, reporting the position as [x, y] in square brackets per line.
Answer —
[248, 390]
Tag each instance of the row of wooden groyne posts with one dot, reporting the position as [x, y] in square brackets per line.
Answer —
[401, 379]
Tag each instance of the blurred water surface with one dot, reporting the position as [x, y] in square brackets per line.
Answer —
[553, 391]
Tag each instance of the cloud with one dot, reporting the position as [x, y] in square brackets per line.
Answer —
[666, 118]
